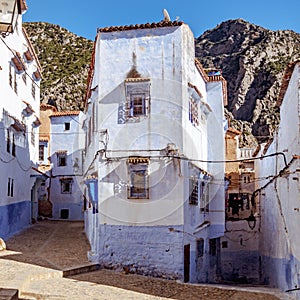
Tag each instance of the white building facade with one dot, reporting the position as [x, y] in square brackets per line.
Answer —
[153, 119]
[279, 193]
[20, 76]
[65, 177]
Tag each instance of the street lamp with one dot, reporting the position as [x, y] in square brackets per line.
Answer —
[9, 11]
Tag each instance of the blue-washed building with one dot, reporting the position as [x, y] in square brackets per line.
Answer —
[20, 76]
[154, 118]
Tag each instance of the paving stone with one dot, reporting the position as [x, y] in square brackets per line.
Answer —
[36, 258]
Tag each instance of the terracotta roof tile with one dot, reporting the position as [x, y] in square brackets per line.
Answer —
[137, 79]
[28, 55]
[196, 89]
[44, 107]
[90, 74]
[23, 5]
[18, 62]
[29, 107]
[213, 78]
[31, 49]
[61, 151]
[268, 144]
[37, 75]
[285, 81]
[141, 26]
[233, 131]
[256, 151]
[36, 122]
[65, 113]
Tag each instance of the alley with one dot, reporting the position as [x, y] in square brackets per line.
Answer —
[34, 261]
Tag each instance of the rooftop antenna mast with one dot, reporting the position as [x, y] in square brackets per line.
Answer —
[166, 15]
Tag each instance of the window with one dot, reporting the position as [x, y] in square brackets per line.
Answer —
[64, 214]
[13, 149]
[137, 105]
[62, 159]
[66, 186]
[138, 177]
[67, 126]
[137, 97]
[204, 197]
[225, 244]
[193, 112]
[8, 141]
[194, 191]
[10, 187]
[41, 152]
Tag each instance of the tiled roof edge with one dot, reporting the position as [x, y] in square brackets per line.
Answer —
[141, 26]
[285, 81]
[65, 113]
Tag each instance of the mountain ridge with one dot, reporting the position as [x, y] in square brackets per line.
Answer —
[252, 59]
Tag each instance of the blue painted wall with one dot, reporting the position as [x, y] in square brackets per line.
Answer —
[240, 266]
[14, 218]
[282, 273]
[148, 250]
[75, 210]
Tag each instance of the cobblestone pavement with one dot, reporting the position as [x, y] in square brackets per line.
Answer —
[35, 259]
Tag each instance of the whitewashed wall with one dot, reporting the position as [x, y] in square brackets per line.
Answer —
[15, 210]
[166, 57]
[71, 142]
[280, 202]
[216, 152]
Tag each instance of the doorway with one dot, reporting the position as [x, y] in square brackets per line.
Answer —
[187, 263]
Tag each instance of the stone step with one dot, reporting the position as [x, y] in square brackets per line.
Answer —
[9, 294]
[81, 270]
[65, 288]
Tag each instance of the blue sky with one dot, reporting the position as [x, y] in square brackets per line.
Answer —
[84, 17]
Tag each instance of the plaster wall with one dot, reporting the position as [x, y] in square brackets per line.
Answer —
[148, 235]
[240, 253]
[71, 142]
[66, 140]
[15, 208]
[14, 218]
[216, 152]
[162, 55]
[279, 243]
[165, 203]
[153, 251]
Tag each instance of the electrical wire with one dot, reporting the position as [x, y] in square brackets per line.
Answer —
[12, 51]
[195, 160]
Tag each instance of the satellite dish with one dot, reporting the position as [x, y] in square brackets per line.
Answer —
[166, 15]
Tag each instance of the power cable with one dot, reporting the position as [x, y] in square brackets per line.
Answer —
[12, 51]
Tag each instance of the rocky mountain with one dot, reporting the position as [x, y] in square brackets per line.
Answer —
[65, 59]
[253, 60]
